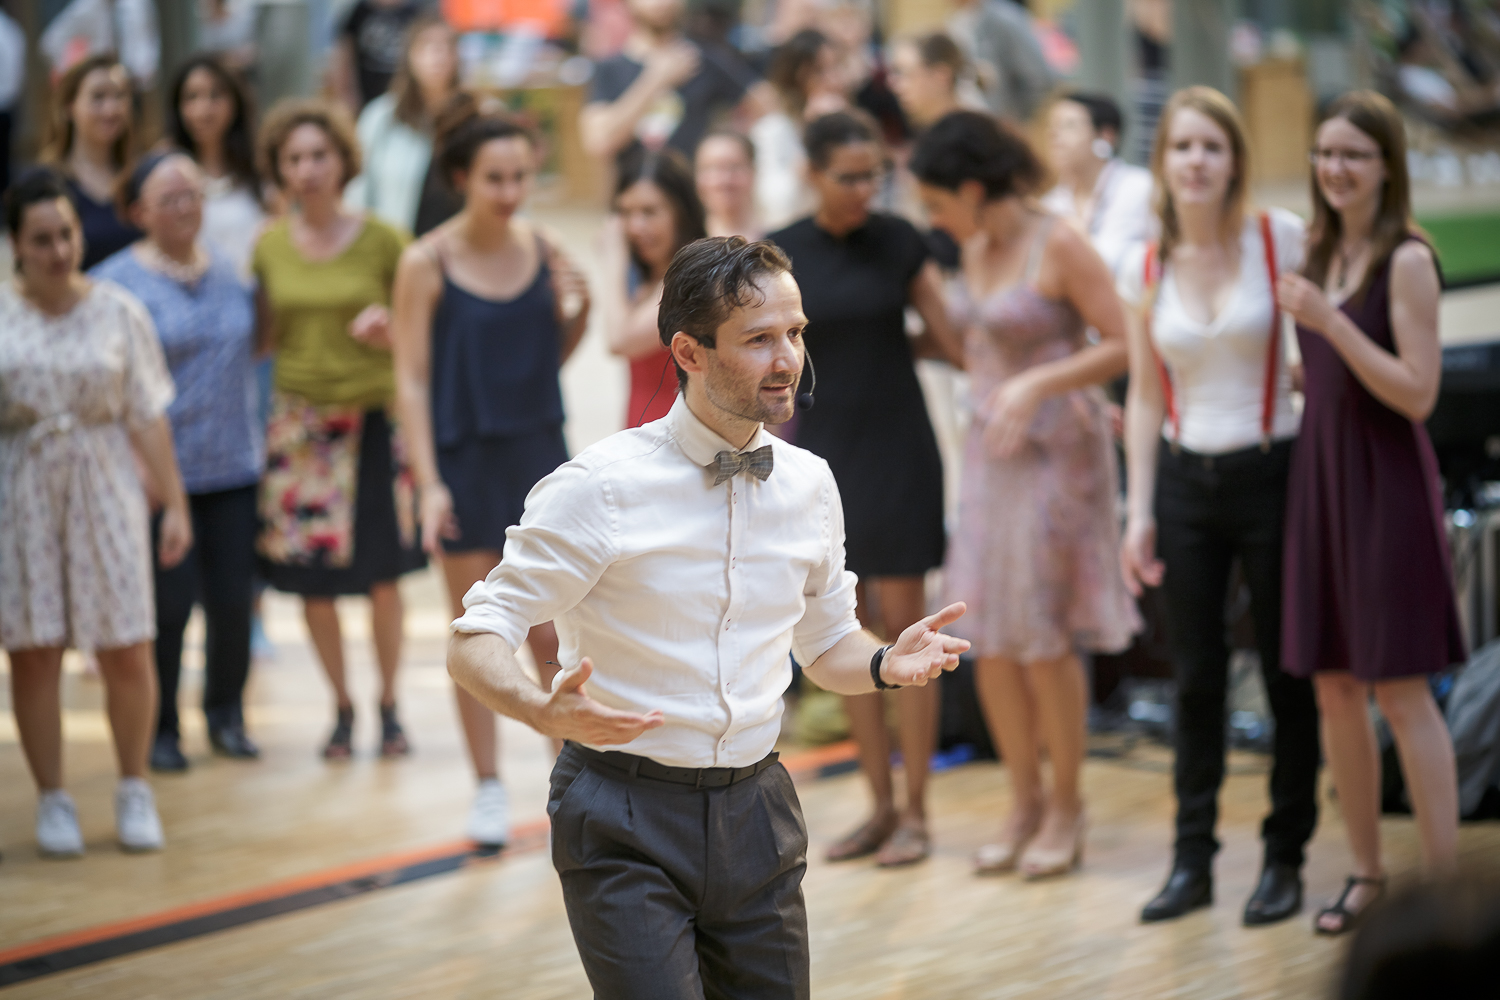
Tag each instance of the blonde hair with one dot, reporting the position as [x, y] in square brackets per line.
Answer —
[1221, 111]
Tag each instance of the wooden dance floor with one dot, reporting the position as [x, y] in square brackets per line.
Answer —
[292, 878]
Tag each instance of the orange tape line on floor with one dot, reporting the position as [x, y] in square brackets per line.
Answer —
[524, 837]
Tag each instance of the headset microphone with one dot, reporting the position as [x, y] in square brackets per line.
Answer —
[805, 399]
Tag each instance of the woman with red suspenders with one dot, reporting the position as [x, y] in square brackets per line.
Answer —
[1209, 427]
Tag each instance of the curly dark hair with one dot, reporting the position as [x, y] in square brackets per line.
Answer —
[291, 112]
[707, 280]
[969, 146]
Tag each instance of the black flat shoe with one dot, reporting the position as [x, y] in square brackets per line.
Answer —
[232, 741]
[1187, 889]
[166, 754]
[1277, 896]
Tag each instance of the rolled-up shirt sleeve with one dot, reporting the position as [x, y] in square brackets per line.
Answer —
[829, 592]
[552, 559]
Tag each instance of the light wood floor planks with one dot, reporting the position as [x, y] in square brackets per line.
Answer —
[497, 929]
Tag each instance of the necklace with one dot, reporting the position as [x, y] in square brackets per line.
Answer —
[184, 274]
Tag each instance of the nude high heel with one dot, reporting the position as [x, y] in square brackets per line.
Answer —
[1038, 863]
[1000, 858]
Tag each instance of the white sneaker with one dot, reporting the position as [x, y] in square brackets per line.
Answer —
[136, 822]
[57, 832]
[489, 817]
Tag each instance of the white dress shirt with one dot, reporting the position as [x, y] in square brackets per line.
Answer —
[686, 596]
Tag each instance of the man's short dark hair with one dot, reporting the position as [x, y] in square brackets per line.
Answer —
[1103, 111]
[707, 280]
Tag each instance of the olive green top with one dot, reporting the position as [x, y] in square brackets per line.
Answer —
[313, 302]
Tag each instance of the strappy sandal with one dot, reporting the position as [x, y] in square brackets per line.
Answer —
[1348, 919]
[862, 842]
[392, 736]
[907, 846]
[340, 743]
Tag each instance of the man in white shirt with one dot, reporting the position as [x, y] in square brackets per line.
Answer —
[688, 558]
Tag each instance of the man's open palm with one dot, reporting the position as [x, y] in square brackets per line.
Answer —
[923, 651]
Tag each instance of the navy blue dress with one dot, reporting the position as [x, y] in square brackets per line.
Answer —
[497, 412]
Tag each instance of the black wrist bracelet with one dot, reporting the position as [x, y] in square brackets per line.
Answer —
[875, 661]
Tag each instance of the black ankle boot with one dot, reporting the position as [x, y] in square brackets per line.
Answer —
[166, 753]
[1187, 889]
[1277, 896]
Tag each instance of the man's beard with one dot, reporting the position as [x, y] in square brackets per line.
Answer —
[743, 399]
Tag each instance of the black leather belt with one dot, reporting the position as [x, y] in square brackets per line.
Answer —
[698, 777]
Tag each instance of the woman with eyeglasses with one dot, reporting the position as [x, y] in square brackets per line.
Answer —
[206, 319]
[1368, 604]
[859, 271]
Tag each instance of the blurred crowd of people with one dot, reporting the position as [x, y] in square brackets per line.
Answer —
[940, 197]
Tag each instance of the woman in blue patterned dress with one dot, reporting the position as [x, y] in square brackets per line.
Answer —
[205, 317]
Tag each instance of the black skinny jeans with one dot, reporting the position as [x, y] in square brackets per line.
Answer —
[1210, 510]
[217, 572]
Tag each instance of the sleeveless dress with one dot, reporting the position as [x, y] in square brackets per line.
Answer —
[1036, 551]
[1368, 579]
[497, 411]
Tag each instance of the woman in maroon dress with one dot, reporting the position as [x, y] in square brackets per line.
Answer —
[1368, 599]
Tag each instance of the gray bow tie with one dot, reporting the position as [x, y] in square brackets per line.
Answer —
[727, 463]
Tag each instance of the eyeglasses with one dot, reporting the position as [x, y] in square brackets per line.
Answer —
[874, 177]
[179, 200]
[1348, 157]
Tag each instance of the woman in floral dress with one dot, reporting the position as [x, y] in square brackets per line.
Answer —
[82, 378]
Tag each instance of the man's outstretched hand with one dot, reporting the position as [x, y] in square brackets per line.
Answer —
[570, 714]
[923, 651]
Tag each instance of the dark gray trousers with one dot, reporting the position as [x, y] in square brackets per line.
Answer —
[677, 893]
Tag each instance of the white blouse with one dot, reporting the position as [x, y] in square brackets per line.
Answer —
[687, 596]
[1218, 368]
[1122, 217]
[231, 222]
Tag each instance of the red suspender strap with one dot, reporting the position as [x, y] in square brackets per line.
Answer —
[1273, 343]
[1150, 277]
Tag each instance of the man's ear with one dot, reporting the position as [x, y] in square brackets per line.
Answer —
[687, 352]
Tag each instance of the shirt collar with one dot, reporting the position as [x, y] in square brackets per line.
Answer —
[697, 440]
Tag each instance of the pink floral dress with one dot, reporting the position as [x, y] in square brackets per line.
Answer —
[1035, 551]
[75, 555]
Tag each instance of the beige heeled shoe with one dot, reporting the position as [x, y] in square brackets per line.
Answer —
[1037, 863]
[1000, 858]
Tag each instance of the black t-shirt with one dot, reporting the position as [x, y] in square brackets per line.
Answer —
[681, 118]
[378, 32]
